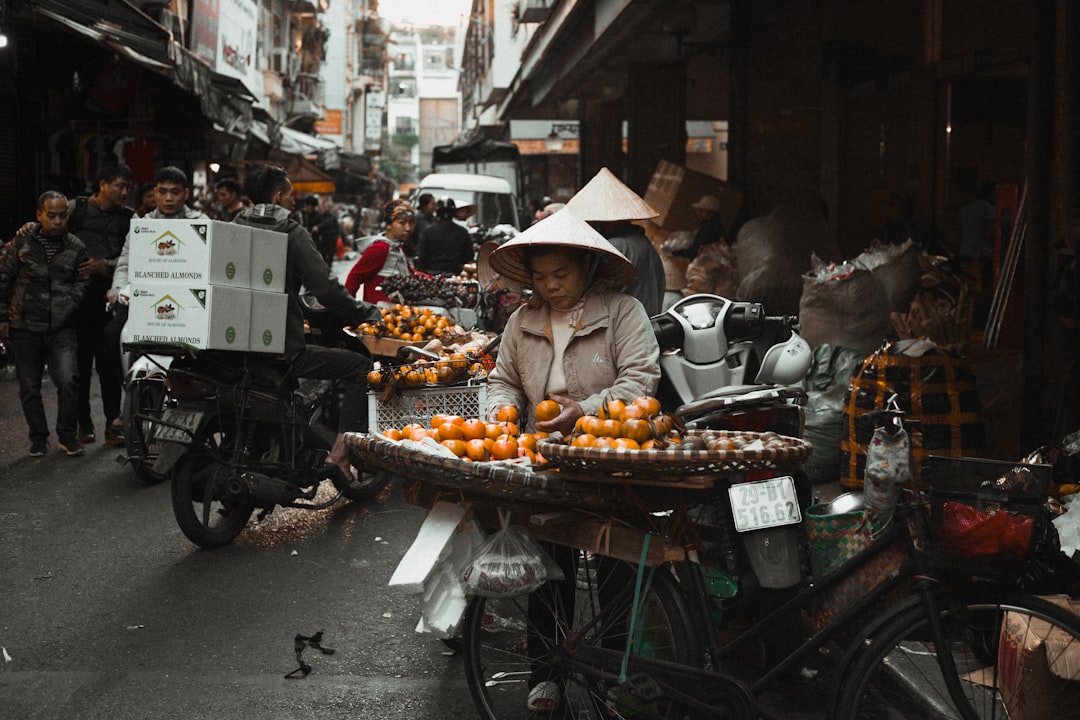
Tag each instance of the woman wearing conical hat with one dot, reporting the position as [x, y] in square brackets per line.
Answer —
[612, 208]
[578, 341]
[581, 343]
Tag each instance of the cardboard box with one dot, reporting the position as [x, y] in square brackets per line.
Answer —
[269, 251]
[189, 252]
[1038, 673]
[268, 319]
[673, 189]
[214, 317]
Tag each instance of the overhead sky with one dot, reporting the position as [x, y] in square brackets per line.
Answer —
[431, 12]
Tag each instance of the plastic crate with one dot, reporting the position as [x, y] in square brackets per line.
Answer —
[971, 484]
[419, 405]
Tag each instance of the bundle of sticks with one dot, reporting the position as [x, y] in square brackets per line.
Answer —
[937, 315]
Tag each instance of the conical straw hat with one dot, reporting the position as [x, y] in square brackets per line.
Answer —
[563, 228]
[605, 198]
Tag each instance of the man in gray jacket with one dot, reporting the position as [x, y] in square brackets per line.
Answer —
[41, 287]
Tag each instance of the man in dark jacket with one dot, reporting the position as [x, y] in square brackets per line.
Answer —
[101, 221]
[40, 289]
[271, 191]
[425, 218]
[445, 246]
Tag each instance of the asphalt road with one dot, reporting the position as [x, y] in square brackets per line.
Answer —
[108, 611]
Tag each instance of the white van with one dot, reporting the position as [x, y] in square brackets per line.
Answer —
[494, 198]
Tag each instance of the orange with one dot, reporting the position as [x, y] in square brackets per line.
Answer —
[604, 442]
[547, 410]
[505, 448]
[584, 440]
[408, 429]
[475, 450]
[374, 377]
[613, 409]
[526, 440]
[633, 412]
[609, 428]
[419, 433]
[507, 413]
[493, 430]
[636, 429]
[649, 445]
[624, 442]
[474, 428]
[456, 446]
[650, 404]
[662, 424]
[589, 424]
[392, 433]
[451, 431]
[526, 452]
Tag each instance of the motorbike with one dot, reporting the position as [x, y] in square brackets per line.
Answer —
[245, 434]
[727, 365]
[146, 394]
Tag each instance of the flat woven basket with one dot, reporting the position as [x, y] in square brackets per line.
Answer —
[494, 479]
[676, 462]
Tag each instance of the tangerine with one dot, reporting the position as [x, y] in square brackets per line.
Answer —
[474, 428]
[604, 442]
[507, 413]
[374, 377]
[584, 440]
[451, 431]
[613, 409]
[392, 434]
[547, 410]
[476, 450]
[611, 428]
[455, 446]
[636, 429]
[504, 448]
[650, 404]
[627, 443]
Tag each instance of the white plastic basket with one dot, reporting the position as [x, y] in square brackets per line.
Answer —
[419, 405]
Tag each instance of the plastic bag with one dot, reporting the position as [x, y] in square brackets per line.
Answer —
[970, 533]
[508, 564]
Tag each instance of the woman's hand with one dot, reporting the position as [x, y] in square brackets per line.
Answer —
[564, 421]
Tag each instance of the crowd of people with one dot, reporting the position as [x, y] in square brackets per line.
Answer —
[64, 276]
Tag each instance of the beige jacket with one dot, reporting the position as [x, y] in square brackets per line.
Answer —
[614, 354]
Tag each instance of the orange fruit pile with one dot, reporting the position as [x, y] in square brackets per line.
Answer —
[473, 439]
[406, 322]
[449, 368]
[637, 425]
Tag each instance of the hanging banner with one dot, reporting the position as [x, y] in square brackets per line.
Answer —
[224, 35]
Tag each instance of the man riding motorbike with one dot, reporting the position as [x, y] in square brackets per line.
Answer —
[269, 188]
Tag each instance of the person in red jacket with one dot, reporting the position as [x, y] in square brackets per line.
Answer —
[385, 255]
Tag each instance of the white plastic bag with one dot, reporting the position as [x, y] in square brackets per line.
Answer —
[508, 564]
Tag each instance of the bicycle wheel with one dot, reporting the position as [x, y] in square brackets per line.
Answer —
[511, 644]
[898, 674]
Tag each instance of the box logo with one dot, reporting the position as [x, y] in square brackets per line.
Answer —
[267, 338]
[167, 243]
[268, 276]
[230, 334]
[230, 270]
[166, 308]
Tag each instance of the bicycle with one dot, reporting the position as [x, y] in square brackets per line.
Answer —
[662, 646]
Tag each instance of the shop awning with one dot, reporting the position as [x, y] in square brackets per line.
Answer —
[306, 178]
[289, 141]
[114, 39]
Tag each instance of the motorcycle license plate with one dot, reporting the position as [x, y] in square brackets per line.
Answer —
[764, 504]
[189, 419]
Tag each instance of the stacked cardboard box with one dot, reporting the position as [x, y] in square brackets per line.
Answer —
[209, 284]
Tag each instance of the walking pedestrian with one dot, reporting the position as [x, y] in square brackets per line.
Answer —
[101, 221]
[227, 192]
[444, 247]
[425, 218]
[40, 290]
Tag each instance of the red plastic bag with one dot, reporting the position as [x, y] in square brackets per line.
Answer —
[970, 533]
